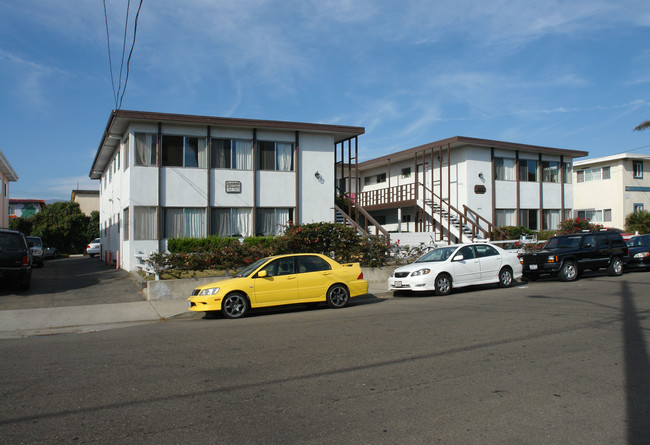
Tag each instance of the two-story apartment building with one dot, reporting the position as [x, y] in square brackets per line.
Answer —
[460, 188]
[169, 175]
[609, 188]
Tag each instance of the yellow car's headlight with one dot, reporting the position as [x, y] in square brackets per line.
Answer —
[209, 291]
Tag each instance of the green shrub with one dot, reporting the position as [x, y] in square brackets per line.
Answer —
[515, 232]
[638, 222]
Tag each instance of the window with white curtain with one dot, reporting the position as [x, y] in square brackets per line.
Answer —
[183, 151]
[231, 153]
[550, 219]
[276, 156]
[145, 149]
[504, 169]
[145, 223]
[231, 222]
[505, 217]
[550, 171]
[272, 221]
[184, 222]
[528, 218]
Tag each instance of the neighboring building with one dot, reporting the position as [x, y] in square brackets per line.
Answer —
[8, 175]
[609, 188]
[460, 188]
[24, 208]
[88, 200]
[168, 175]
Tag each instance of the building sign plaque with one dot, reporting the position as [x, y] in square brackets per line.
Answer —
[233, 186]
[479, 189]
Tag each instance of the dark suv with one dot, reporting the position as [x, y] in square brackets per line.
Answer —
[15, 259]
[567, 256]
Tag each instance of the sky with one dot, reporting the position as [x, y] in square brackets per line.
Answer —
[564, 74]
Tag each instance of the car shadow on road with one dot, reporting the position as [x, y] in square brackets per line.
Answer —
[361, 300]
[454, 291]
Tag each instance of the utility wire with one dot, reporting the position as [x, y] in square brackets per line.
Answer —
[126, 26]
[128, 62]
[119, 94]
[110, 63]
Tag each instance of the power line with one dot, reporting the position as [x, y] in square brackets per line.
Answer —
[121, 90]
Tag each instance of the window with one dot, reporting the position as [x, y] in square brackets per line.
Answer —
[145, 223]
[374, 179]
[606, 173]
[527, 170]
[406, 172]
[607, 215]
[231, 222]
[276, 156]
[467, 252]
[145, 149]
[504, 169]
[310, 263]
[232, 153]
[549, 171]
[637, 167]
[591, 214]
[125, 158]
[184, 222]
[272, 221]
[505, 217]
[381, 178]
[484, 250]
[550, 219]
[638, 207]
[528, 218]
[125, 223]
[566, 167]
[183, 151]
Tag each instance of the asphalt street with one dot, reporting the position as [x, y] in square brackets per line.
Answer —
[540, 363]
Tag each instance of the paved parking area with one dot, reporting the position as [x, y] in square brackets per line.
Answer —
[72, 282]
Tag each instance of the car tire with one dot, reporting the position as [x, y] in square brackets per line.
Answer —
[235, 305]
[615, 267]
[505, 277]
[338, 296]
[443, 284]
[569, 271]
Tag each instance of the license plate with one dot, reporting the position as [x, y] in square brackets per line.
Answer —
[533, 267]
[397, 284]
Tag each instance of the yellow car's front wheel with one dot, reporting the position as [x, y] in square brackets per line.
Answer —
[234, 305]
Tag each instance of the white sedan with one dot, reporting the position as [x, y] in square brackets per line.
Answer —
[457, 266]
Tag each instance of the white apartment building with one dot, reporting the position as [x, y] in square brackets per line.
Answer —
[609, 188]
[7, 175]
[168, 175]
[460, 188]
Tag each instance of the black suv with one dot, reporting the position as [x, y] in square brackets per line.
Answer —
[567, 256]
[15, 259]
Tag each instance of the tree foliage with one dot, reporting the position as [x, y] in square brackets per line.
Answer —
[61, 225]
[638, 222]
[642, 126]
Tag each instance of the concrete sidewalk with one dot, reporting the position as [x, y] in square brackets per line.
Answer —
[79, 319]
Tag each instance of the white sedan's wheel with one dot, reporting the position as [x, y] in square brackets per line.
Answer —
[505, 277]
[443, 284]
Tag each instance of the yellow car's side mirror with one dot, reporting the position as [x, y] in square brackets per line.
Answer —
[262, 274]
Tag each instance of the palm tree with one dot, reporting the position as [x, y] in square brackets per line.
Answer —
[642, 126]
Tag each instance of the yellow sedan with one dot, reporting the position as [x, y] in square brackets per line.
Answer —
[282, 279]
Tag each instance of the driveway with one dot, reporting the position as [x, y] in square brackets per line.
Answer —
[72, 282]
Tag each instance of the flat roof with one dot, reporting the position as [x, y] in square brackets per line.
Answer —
[119, 121]
[611, 158]
[459, 141]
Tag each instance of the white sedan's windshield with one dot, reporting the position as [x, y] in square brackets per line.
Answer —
[441, 254]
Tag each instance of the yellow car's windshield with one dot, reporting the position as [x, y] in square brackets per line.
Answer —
[246, 271]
